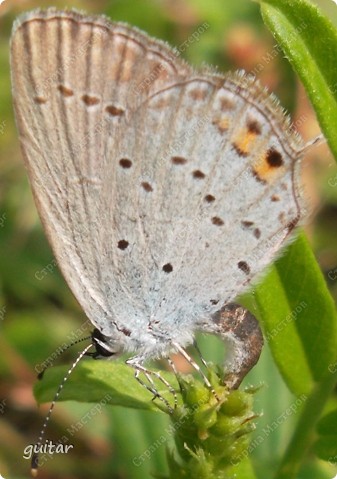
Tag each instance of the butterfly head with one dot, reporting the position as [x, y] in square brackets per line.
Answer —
[106, 347]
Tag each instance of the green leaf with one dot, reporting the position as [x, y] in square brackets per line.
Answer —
[309, 40]
[326, 445]
[328, 425]
[299, 318]
[326, 448]
[97, 381]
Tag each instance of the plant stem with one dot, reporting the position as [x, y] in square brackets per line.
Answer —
[303, 435]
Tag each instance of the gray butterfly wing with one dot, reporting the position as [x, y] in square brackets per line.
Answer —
[209, 196]
[75, 80]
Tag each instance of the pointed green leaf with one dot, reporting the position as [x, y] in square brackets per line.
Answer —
[328, 424]
[326, 448]
[97, 381]
[299, 318]
[326, 445]
[309, 40]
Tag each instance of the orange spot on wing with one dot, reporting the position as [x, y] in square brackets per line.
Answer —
[222, 123]
[264, 170]
[244, 140]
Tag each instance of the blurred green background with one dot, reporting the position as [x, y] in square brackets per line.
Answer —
[38, 313]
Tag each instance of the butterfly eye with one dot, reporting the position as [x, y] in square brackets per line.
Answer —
[103, 346]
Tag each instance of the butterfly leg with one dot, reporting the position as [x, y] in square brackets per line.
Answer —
[196, 347]
[165, 382]
[150, 386]
[174, 369]
[196, 367]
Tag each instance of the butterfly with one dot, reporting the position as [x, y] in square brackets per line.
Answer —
[163, 190]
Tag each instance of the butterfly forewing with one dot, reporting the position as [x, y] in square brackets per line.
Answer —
[72, 93]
